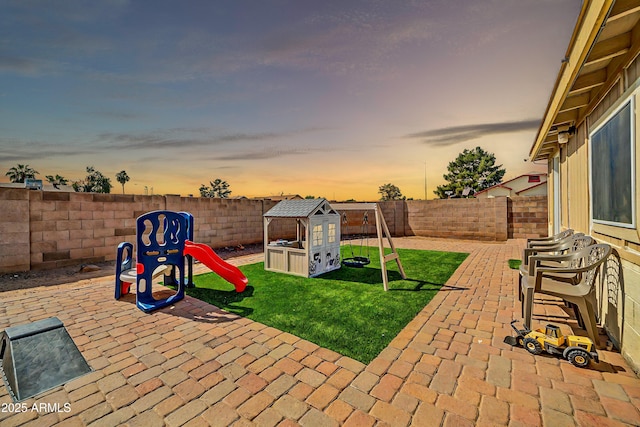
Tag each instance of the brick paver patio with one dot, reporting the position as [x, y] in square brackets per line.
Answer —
[196, 365]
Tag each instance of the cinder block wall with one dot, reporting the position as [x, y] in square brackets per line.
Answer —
[477, 219]
[74, 228]
[527, 217]
[14, 230]
[42, 230]
[223, 222]
[393, 212]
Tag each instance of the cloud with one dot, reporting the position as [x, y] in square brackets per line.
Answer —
[169, 139]
[116, 115]
[13, 149]
[328, 38]
[184, 138]
[265, 154]
[456, 134]
[363, 40]
[18, 64]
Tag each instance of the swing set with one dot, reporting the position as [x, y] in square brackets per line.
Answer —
[362, 259]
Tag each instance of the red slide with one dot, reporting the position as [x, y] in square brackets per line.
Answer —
[228, 272]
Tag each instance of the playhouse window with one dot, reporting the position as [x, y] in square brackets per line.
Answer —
[317, 235]
[331, 233]
[612, 174]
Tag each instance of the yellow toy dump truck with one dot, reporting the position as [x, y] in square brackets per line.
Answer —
[577, 350]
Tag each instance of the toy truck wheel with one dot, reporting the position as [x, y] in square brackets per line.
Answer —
[532, 346]
[579, 358]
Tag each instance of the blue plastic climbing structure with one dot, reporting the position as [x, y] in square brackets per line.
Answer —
[165, 247]
[161, 237]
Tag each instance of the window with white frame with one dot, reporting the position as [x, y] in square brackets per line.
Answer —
[331, 233]
[612, 168]
[317, 235]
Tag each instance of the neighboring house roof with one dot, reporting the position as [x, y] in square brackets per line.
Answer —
[12, 184]
[281, 197]
[45, 187]
[527, 175]
[493, 187]
[602, 42]
[530, 185]
[298, 208]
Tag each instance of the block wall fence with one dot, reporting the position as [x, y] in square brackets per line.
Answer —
[44, 230]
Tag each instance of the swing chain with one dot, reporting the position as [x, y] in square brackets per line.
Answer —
[358, 261]
[365, 231]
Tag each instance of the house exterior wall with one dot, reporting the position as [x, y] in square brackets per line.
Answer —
[539, 190]
[575, 195]
[516, 187]
[494, 192]
[619, 289]
[518, 183]
[522, 182]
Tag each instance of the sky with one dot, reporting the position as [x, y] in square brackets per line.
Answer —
[330, 98]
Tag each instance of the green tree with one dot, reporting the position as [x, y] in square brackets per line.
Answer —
[390, 192]
[474, 170]
[309, 197]
[122, 178]
[57, 180]
[95, 182]
[218, 189]
[21, 172]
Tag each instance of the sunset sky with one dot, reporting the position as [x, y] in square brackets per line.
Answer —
[328, 98]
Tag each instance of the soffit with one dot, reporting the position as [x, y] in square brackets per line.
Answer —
[615, 30]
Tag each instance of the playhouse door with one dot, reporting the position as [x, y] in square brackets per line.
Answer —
[332, 248]
[325, 247]
[318, 242]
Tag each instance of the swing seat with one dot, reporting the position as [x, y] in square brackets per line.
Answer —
[356, 261]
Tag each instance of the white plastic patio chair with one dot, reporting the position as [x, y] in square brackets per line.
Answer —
[574, 284]
[570, 244]
[549, 240]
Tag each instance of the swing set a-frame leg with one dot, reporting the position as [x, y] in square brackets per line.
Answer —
[381, 226]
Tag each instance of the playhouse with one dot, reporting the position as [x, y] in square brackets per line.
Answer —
[316, 248]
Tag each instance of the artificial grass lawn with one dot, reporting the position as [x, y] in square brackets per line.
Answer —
[346, 310]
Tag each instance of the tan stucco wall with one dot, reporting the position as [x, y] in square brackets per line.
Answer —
[540, 190]
[499, 192]
[521, 183]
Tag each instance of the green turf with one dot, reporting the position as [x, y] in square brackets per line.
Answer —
[345, 310]
[514, 263]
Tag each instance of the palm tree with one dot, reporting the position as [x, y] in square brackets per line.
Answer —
[57, 180]
[122, 178]
[20, 173]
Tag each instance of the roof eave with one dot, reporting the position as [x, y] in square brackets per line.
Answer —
[589, 24]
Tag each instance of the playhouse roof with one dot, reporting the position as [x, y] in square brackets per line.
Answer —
[297, 208]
